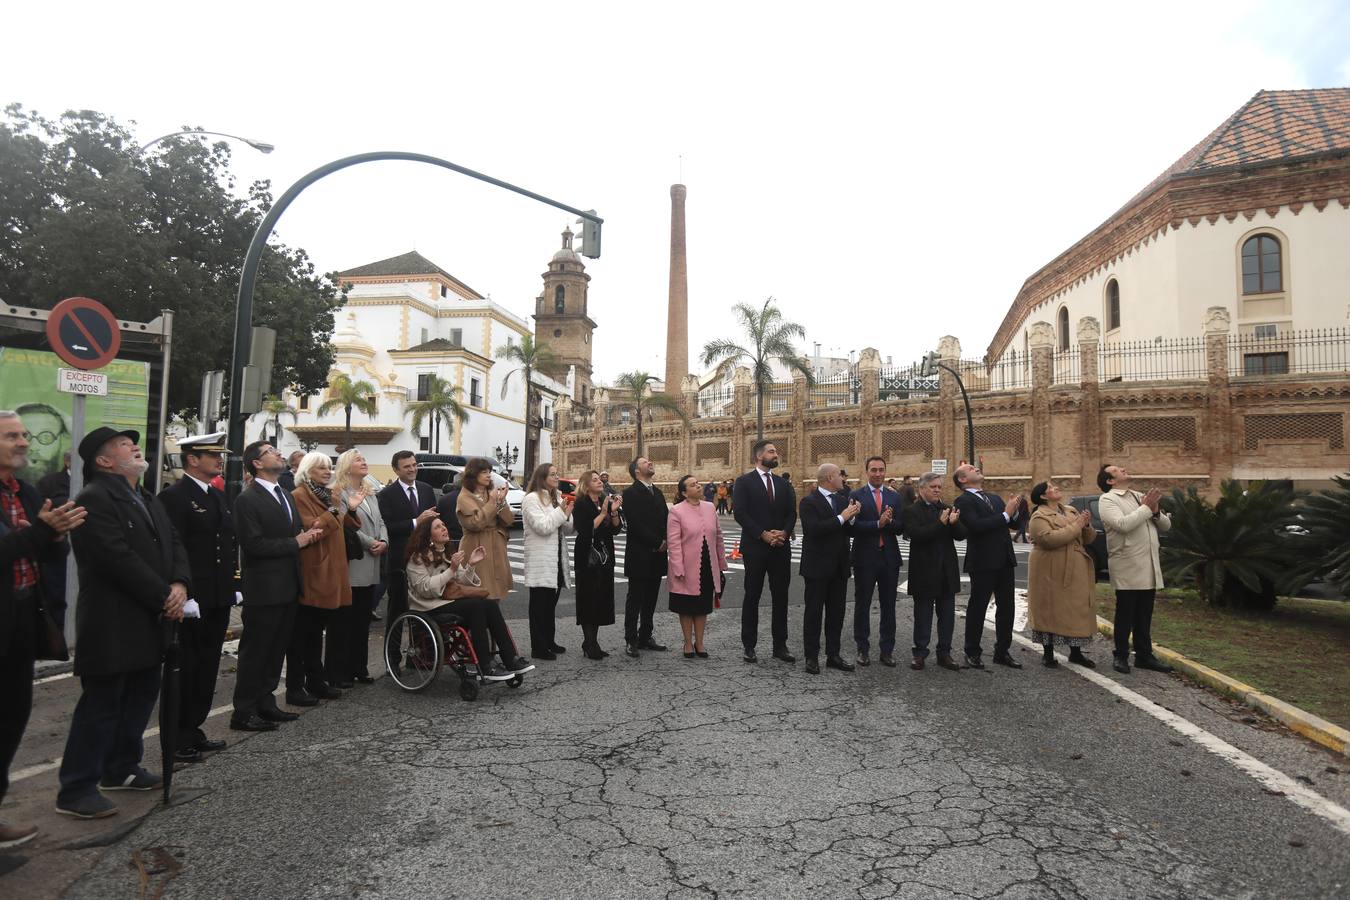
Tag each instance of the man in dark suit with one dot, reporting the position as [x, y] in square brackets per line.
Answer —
[134, 574]
[269, 532]
[990, 563]
[201, 516]
[765, 506]
[55, 486]
[446, 509]
[934, 573]
[644, 558]
[876, 560]
[827, 520]
[287, 478]
[32, 534]
[404, 503]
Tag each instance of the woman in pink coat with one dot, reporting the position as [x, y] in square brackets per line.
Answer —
[697, 561]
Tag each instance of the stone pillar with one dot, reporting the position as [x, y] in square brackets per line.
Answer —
[562, 415]
[1041, 338]
[800, 462]
[1218, 424]
[951, 439]
[742, 408]
[600, 410]
[869, 373]
[677, 310]
[1090, 404]
[689, 401]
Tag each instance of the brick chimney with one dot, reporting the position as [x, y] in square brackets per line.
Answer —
[677, 310]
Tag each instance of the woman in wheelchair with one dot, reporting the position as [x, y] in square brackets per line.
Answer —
[441, 585]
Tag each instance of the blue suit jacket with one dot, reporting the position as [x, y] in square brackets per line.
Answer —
[866, 528]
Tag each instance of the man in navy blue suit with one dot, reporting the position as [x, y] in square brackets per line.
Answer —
[876, 560]
[765, 507]
[990, 563]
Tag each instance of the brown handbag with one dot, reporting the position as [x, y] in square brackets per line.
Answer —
[464, 583]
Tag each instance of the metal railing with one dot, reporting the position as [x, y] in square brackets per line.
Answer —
[832, 391]
[715, 401]
[905, 383]
[1289, 353]
[1155, 360]
[1066, 367]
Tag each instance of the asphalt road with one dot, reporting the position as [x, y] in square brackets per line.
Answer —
[663, 777]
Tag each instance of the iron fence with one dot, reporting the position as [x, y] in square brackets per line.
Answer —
[1268, 352]
[1156, 360]
[843, 389]
[905, 383]
[1066, 367]
[715, 401]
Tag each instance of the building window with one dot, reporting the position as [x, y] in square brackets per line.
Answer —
[1261, 265]
[423, 385]
[475, 392]
[1265, 364]
[1265, 332]
[444, 291]
[1063, 328]
[424, 443]
[304, 401]
[559, 300]
[425, 335]
[457, 337]
[1112, 305]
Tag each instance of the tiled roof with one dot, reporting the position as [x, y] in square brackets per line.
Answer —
[409, 264]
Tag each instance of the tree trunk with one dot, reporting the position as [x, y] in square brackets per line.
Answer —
[759, 412]
[348, 427]
[639, 429]
[435, 442]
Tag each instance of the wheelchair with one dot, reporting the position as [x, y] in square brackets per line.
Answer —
[418, 647]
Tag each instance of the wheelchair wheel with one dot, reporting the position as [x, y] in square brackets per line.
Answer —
[516, 682]
[468, 691]
[413, 652]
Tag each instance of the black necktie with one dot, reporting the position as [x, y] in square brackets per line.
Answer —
[988, 502]
[412, 498]
[281, 498]
[834, 503]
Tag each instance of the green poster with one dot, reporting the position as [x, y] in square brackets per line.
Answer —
[28, 386]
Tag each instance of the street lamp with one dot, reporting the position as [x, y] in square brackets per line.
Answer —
[508, 456]
[260, 146]
[928, 367]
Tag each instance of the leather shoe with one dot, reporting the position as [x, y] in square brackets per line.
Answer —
[632, 650]
[1005, 659]
[301, 698]
[187, 755]
[782, 655]
[543, 654]
[364, 679]
[749, 656]
[277, 715]
[325, 692]
[813, 666]
[1152, 664]
[888, 660]
[1120, 665]
[946, 662]
[835, 662]
[650, 644]
[974, 662]
[252, 723]
[346, 685]
[917, 664]
[862, 659]
[556, 649]
[206, 745]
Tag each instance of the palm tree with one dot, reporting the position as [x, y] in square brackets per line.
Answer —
[441, 404]
[531, 358]
[1324, 520]
[768, 339]
[345, 394]
[642, 400]
[275, 408]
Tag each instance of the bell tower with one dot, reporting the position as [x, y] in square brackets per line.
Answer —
[560, 318]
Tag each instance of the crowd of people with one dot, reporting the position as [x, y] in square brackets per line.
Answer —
[309, 544]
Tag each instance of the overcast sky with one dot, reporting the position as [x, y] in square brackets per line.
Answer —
[890, 172]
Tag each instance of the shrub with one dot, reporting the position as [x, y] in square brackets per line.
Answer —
[1324, 548]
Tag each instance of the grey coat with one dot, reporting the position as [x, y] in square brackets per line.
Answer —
[365, 571]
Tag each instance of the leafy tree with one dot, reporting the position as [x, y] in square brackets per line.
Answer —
[441, 405]
[84, 212]
[642, 400]
[531, 358]
[348, 395]
[275, 409]
[1235, 551]
[1324, 550]
[767, 339]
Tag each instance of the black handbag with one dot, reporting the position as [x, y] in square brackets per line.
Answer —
[352, 538]
[598, 556]
[49, 642]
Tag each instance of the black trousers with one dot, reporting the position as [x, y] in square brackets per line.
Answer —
[16, 683]
[543, 618]
[482, 617]
[827, 597]
[396, 590]
[356, 630]
[776, 563]
[639, 607]
[304, 657]
[1001, 584]
[199, 642]
[878, 573]
[105, 740]
[1134, 616]
[262, 649]
[945, 606]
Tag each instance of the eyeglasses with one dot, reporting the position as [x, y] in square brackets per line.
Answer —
[45, 438]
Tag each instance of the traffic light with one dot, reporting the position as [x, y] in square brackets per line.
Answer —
[928, 365]
[590, 236]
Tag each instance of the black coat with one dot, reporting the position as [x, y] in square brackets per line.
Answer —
[825, 542]
[755, 514]
[866, 527]
[206, 528]
[55, 486]
[126, 563]
[269, 555]
[398, 515]
[593, 585]
[38, 544]
[933, 566]
[989, 543]
[645, 512]
[446, 511]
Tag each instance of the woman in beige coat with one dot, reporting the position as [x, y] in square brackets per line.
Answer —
[1062, 580]
[487, 520]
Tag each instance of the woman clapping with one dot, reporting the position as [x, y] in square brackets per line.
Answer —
[694, 540]
[596, 520]
[358, 495]
[547, 519]
[1062, 577]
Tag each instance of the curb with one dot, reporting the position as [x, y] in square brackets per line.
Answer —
[1315, 728]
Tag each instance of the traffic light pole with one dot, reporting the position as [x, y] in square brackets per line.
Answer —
[243, 314]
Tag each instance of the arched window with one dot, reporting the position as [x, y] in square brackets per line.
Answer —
[1064, 328]
[1261, 272]
[1112, 304]
[559, 296]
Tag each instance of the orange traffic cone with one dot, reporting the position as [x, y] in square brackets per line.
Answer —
[735, 551]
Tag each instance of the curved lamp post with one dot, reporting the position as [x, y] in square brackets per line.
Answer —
[260, 146]
[243, 313]
[928, 366]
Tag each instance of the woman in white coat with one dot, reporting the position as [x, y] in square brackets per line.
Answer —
[547, 519]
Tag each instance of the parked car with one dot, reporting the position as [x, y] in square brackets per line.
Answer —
[1098, 547]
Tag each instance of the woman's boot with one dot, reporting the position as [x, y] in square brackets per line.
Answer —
[1050, 661]
[1076, 657]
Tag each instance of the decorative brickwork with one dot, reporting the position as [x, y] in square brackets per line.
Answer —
[834, 447]
[1172, 430]
[1328, 428]
[712, 453]
[915, 441]
[664, 454]
[1002, 435]
[578, 461]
